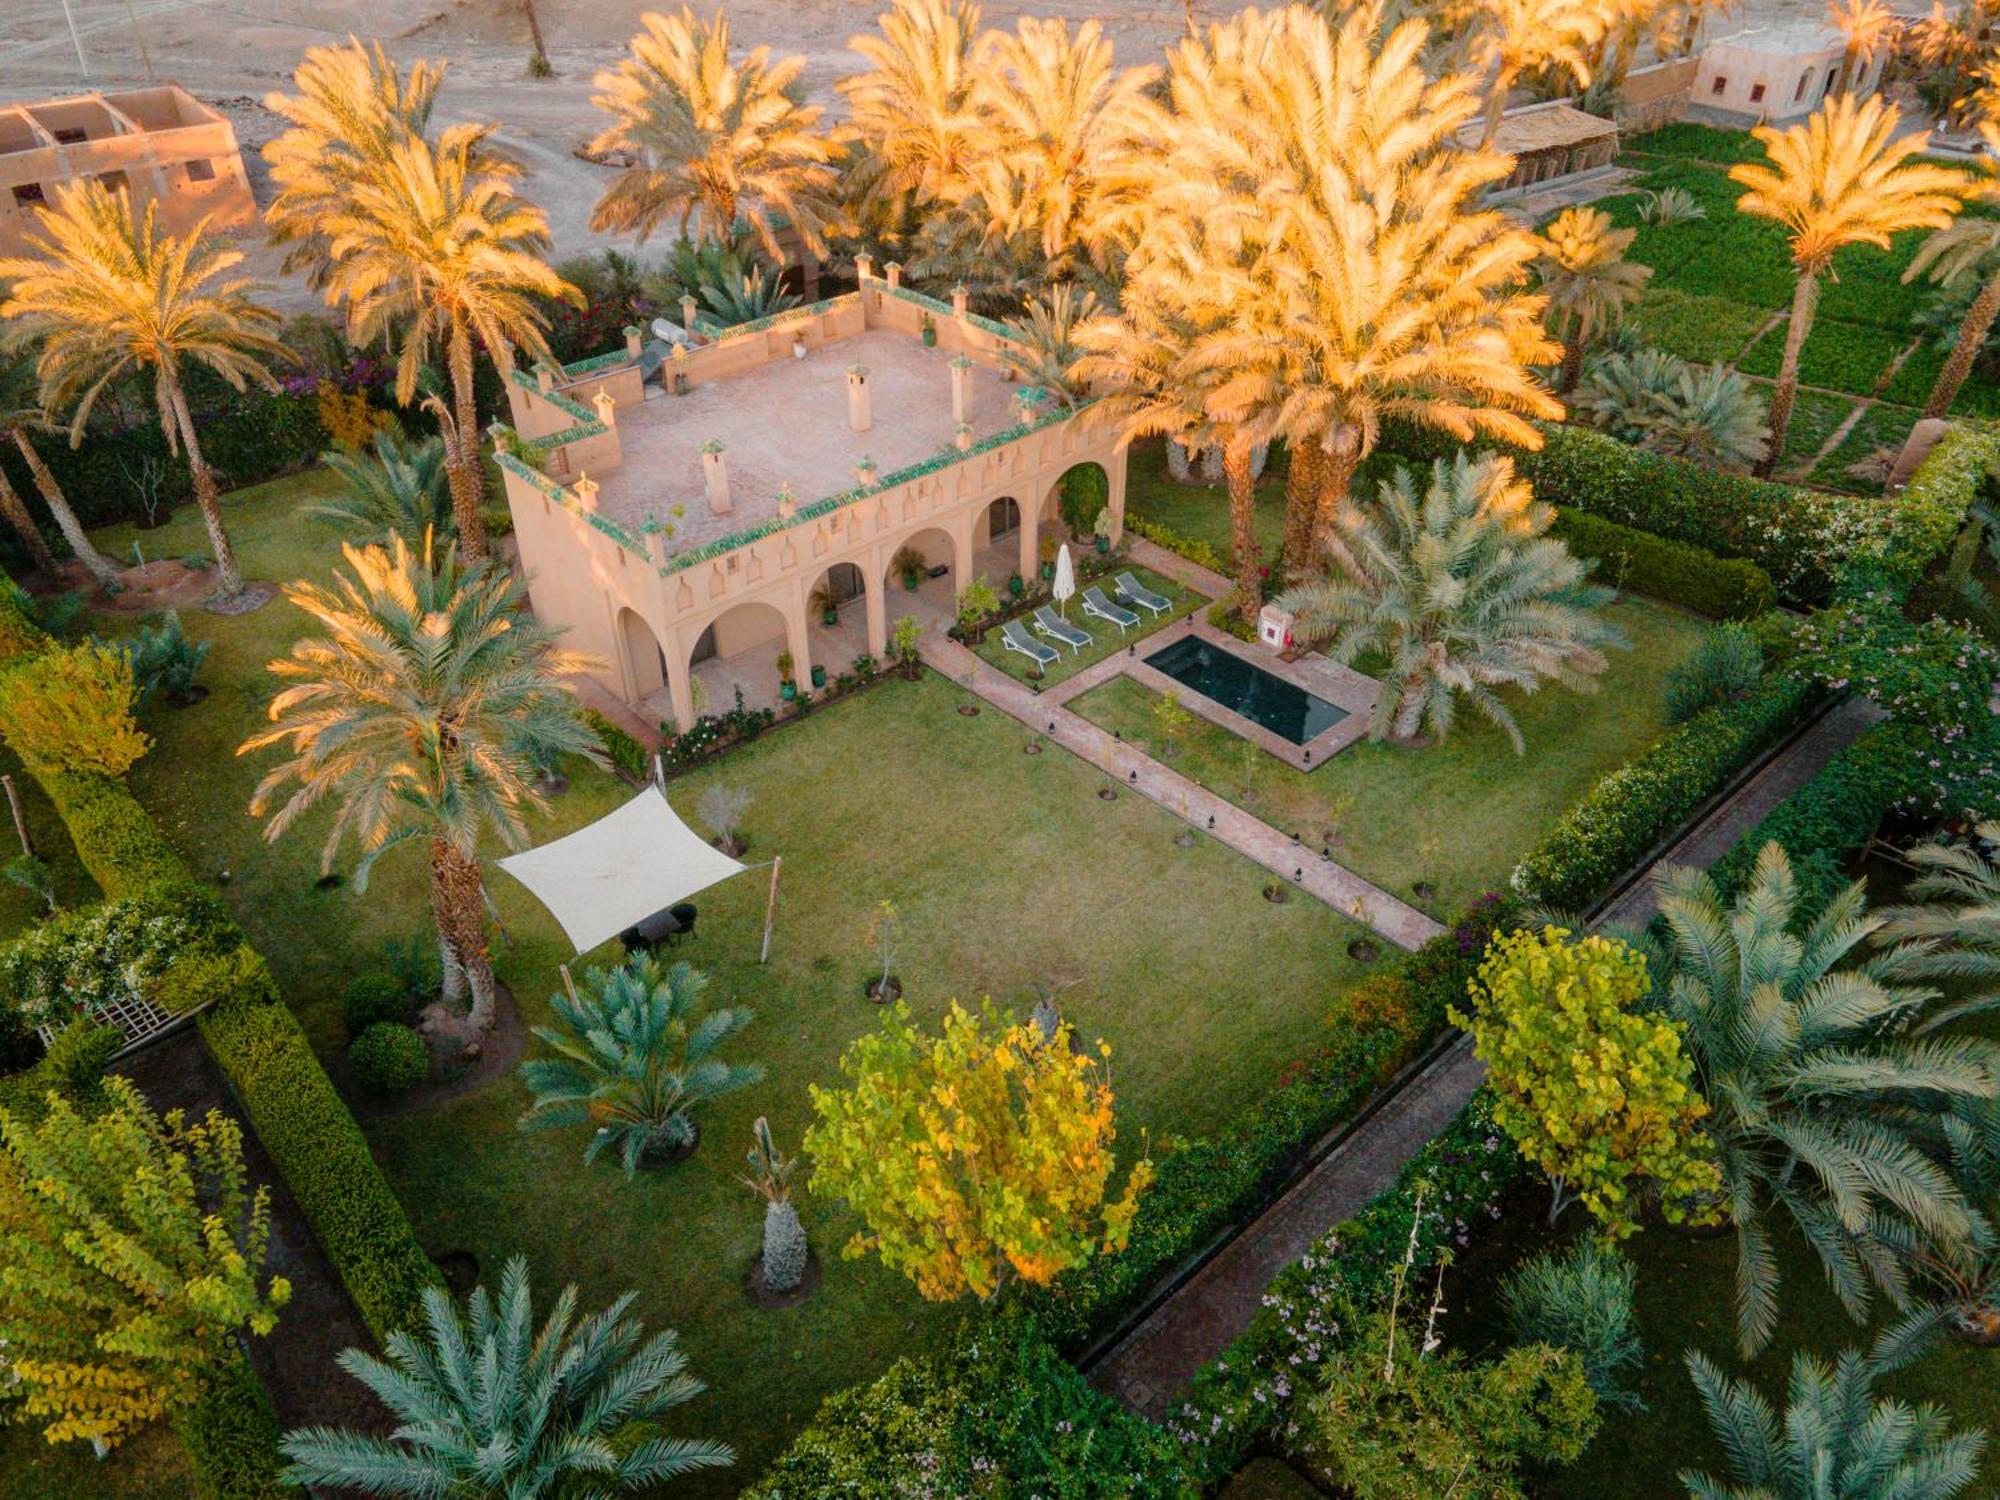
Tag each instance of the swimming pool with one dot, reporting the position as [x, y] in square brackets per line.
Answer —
[1287, 710]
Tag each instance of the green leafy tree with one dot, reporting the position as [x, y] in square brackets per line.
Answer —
[1461, 589]
[401, 488]
[421, 713]
[1440, 1425]
[974, 1156]
[1836, 1434]
[635, 1057]
[70, 709]
[1821, 1106]
[104, 293]
[1592, 1088]
[489, 1407]
[133, 1259]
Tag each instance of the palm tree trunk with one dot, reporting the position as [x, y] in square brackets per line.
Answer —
[1301, 503]
[1572, 365]
[1805, 299]
[1243, 527]
[535, 30]
[1336, 489]
[468, 480]
[99, 566]
[40, 557]
[207, 494]
[461, 923]
[1971, 339]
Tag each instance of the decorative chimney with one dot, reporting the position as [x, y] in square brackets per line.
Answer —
[961, 300]
[961, 389]
[895, 272]
[962, 435]
[788, 501]
[607, 408]
[545, 377]
[859, 417]
[634, 334]
[1026, 399]
[864, 471]
[864, 267]
[585, 491]
[715, 472]
[688, 308]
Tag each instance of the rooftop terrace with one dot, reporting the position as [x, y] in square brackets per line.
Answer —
[786, 423]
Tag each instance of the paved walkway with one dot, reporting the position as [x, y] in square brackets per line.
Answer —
[1152, 1364]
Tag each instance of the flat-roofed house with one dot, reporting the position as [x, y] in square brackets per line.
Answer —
[1777, 73]
[160, 144]
[768, 488]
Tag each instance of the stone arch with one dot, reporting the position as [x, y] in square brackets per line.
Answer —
[645, 657]
[738, 648]
[1002, 516]
[1085, 473]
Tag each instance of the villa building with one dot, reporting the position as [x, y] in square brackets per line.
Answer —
[161, 144]
[1773, 74]
[755, 494]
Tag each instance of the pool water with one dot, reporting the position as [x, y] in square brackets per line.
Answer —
[1288, 711]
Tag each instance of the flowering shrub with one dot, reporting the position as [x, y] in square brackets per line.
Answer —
[77, 963]
[1933, 673]
[1193, 549]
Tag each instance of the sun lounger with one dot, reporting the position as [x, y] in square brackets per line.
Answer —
[1014, 638]
[1129, 588]
[1059, 630]
[1095, 604]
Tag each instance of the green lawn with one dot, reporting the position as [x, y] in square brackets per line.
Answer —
[1105, 637]
[1007, 868]
[1815, 416]
[1881, 426]
[1458, 815]
[150, 1465]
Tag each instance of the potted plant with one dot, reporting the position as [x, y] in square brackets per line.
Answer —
[788, 690]
[908, 564]
[1101, 529]
[823, 600]
[929, 330]
[819, 677]
[1015, 586]
[1049, 546]
[798, 346]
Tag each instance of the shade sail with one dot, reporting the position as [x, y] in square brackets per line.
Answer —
[620, 870]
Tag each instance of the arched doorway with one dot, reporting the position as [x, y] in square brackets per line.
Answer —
[645, 660]
[1075, 500]
[738, 652]
[1003, 518]
[926, 559]
[837, 616]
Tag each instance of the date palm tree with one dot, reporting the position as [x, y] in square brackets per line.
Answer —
[400, 488]
[1871, 30]
[1844, 177]
[1460, 588]
[1379, 289]
[1966, 252]
[1044, 351]
[911, 111]
[1060, 124]
[488, 1407]
[1836, 1435]
[103, 294]
[1821, 1109]
[715, 141]
[421, 714]
[423, 241]
[636, 1058]
[1512, 37]
[1588, 281]
[21, 409]
[1949, 930]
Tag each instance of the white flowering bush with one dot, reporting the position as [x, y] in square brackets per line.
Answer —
[79, 962]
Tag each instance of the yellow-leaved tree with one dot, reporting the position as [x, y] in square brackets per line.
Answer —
[1594, 1091]
[71, 710]
[975, 1156]
[131, 1261]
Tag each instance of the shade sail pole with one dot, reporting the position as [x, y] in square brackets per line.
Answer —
[771, 908]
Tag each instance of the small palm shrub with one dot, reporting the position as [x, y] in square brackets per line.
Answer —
[1581, 1301]
[165, 661]
[1836, 1436]
[389, 1058]
[1671, 205]
[770, 1178]
[486, 1405]
[737, 296]
[1725, 666]
[722, 807]
[636, 1057]
[910, 565]
[400, 487]
[1460, 587]
[691, 265]
[1658, 401]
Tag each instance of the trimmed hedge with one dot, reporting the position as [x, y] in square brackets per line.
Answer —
[1631, 809]
[626, 753]
[1724, 588]
[231, 1436]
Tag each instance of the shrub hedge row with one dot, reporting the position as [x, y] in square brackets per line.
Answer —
[284, 1092]
[231, 1439]
[1725, 588]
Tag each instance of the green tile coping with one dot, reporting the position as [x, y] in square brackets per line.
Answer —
[561, 495]
[932, 304]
